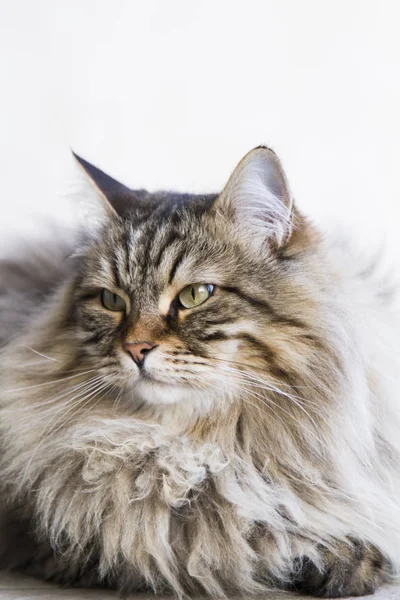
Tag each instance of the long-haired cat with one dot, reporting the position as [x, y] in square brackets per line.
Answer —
[199, 395]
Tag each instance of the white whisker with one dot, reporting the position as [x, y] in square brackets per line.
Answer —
[82, 397]
[41, 354]
[39, 385]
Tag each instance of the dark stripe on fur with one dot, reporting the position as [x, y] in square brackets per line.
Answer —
[172, 237]
[178, 261]
[267, 352]
[215, 336]
[267, 307]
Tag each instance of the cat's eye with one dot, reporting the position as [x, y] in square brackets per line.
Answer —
[195, 294]
[112, 301]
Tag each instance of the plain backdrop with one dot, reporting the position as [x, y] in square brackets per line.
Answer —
[171, 94]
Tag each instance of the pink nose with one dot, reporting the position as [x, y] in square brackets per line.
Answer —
[138, 350]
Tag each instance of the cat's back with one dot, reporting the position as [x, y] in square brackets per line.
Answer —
[29, 272]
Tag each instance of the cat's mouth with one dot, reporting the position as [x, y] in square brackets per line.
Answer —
[156, 391]
[146, 377]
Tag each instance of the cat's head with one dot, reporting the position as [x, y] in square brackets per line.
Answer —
[186, 297]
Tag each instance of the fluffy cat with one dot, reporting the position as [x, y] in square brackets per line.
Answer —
[199, 395]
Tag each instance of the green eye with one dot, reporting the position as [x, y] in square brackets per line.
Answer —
[112, 301]
[195, 294]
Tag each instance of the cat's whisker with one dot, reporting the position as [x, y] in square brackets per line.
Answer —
[106, 393]
[292, 399]
[82, 403]
[257, 368]
[32, 367]
[47, 383]
[245, 399]
[65, 393]
[258, 407]
[76, 400]
[42, 355]
[266, 384]
[50, 429]
[117, 400]
[85, 384]
[77, 391]
[266, 400]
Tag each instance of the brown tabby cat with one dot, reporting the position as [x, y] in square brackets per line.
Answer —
[200, 395]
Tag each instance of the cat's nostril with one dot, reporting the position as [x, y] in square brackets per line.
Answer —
[138, 350]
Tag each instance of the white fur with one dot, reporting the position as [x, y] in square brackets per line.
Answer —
[259, 193]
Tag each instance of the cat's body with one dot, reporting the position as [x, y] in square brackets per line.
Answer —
[253, 444]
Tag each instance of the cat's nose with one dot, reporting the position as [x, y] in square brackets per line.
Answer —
[138, 350]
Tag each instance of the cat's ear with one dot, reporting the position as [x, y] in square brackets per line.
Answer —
[115, 198]
[257, 195]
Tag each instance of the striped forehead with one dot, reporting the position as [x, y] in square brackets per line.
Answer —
[154, 250]
[153, 259]
[152, 265]
[144, 260]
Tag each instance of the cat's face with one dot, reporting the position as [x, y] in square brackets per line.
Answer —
[184, 297]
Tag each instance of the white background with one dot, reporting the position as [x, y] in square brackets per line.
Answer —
[171, 94]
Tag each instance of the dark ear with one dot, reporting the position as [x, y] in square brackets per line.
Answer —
[258, 197]
[116, 197]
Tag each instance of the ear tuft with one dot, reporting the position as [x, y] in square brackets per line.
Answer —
[258, 196]
[116, 197]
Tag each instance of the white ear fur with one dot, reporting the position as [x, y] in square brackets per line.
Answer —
[91, 206]
[258, 195]
[94, 200]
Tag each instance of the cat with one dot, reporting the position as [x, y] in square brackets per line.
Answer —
[199, 395]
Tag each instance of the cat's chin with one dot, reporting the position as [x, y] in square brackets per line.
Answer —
[156, 392]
